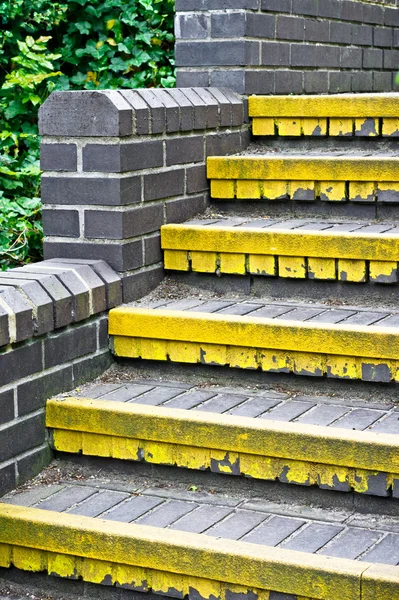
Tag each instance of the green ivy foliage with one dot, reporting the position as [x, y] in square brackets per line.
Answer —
[47, 46]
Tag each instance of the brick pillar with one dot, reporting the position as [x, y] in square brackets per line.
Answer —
[119, 164]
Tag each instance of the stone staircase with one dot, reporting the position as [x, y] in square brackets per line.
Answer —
[322, 184]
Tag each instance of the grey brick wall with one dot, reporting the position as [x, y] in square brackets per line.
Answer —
[119, 164]
[288, 46]
[53, 336]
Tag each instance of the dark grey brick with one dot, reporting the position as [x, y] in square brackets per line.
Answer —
[228, 25]
[122, 158]
[373, 14]
[89, 368]
[391, 59]
[330, 9]
[178, 211]
[352, 11]
[312, 538]
[63, 223]
[99, 503]
[212, 106]
[196, 179]
[157, 109]
[276, 5]
[192, 26]
[121, 257]
[391, 17]
[189, 5]
[140, 111]
[33, 394]
[184, 150]
[132, 509]
[187, 79]
[314, 56]
[172, 112]
[7, 478]
[225, 106]
[4, 327]
[351, 543]
[317, 31]
[93, 113]
[382, 37]
[21, 436]
[305, 7]
[288, 411]
[276, 54]
[259, 82]
[66, 498]
[152, 250]
[232, 79]
[386, 551]
[201, 519]
[237, 525]
[32, 463]
[20, 362]
[43, 320]
[340, 33]
[273, 531]
[113, 191]
[288, 82]
[167, 513]
[20, 310]
[185, 108]
[164, 185]
[200, 111]
[340, 82]
[315, 82]
[221, 144]
[225, 53]
[7, 412]
[260, 26]
[138, 284]
[58, 157]
[101, 224]
[362, 35]
[69, 345]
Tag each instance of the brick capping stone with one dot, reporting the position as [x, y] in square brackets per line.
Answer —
[53, 336]
[120, 164]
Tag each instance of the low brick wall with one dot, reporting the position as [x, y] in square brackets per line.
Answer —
[288, 46]
[119, 164]
[53, 337]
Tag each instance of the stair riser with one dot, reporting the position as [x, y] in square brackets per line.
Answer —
[291, 126]
[179, 564]
[289, 452]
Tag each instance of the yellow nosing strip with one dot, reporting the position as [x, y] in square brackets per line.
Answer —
[249, 241]
[335, 105]
[36, 539]
[365, 450]
[250, 332]
[303, 169]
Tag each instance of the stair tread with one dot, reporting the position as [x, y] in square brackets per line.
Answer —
[326, 411]
[283, 311]
[329, 532]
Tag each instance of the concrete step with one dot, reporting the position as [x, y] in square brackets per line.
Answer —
[342, 115]
[345, 445]
[347, 181]
[157, 537]
[323, 250]
[275, 337]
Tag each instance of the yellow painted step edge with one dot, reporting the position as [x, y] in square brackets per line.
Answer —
[337, 105]
[317, 244]
[365, 450]
[195, 555]
[303, 169]
[251, 332]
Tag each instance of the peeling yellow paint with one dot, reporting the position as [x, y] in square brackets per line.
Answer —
[352, 270]
[292, 267]
[262, 265]
[390, 127]
[322, 268]
[332, 191]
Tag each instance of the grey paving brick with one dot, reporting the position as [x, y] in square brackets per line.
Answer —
[302, 314]
[390, 424]
[312, 537]
[7, 406]
[167, 513]
[212, 306]
[198, 496]
[335, 315]
[287, 411]
[351, 543]
[392, 321]
[273, 531]
[127, 392]
[358, 418]
[365, 318]
[237, 525]
[272, 311]
[190, 399]
[98, 503]
[66, 498]
[253, 407]
[157, 396]
[181, 304]
[201, 519]
[386, 551]
[221, 403]
[132, 509]
[323, 415]
[97, 391]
